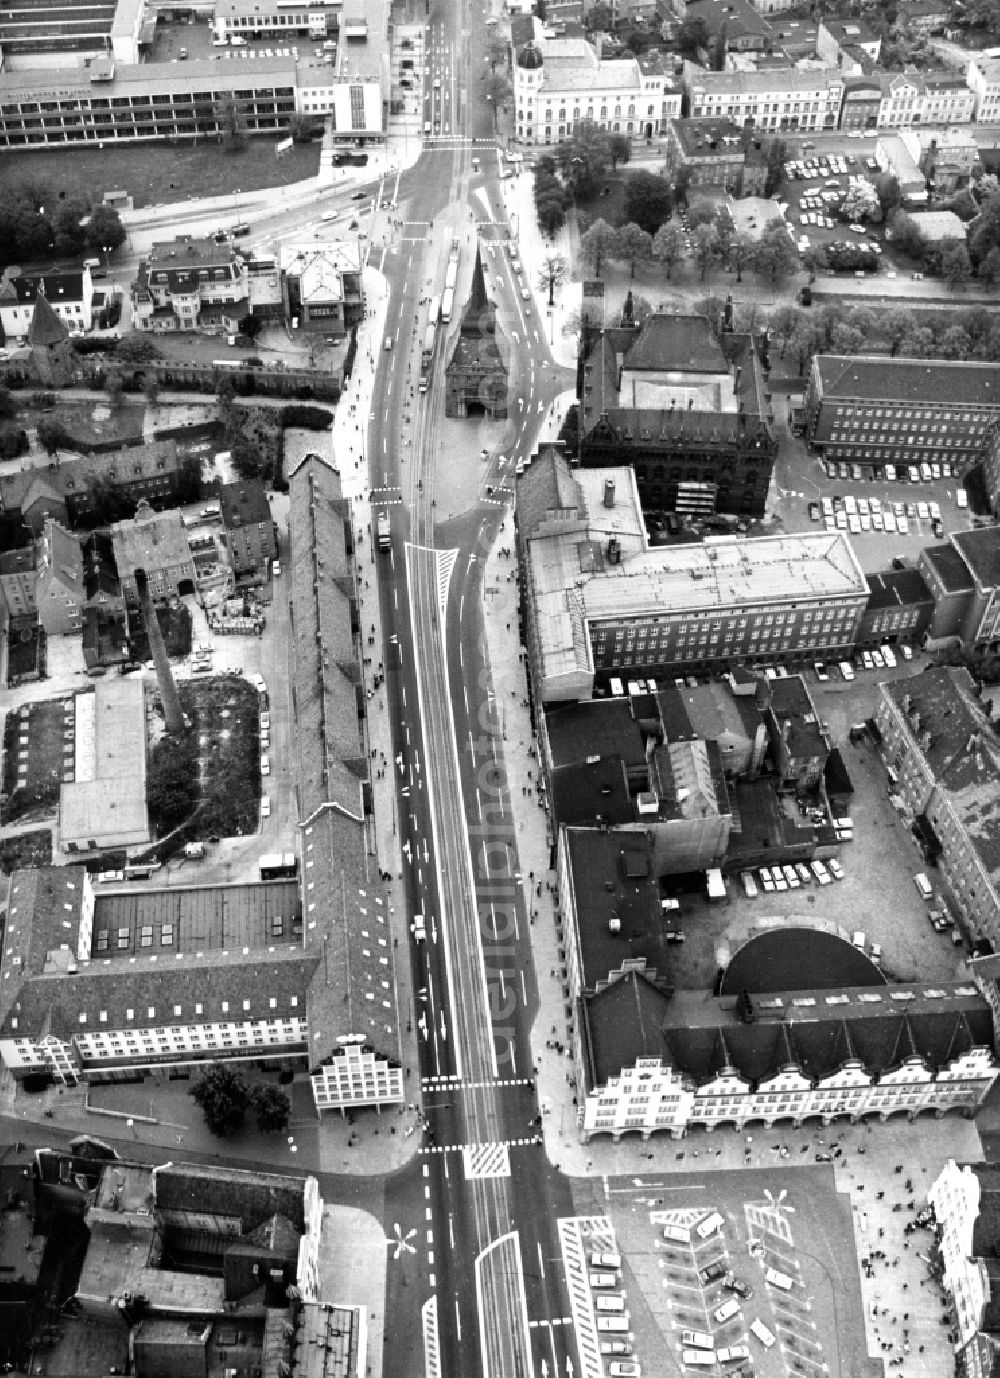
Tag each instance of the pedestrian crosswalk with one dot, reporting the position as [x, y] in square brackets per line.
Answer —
[486, 1160]
[505, 1144]
[455, 1083]
[445, 564]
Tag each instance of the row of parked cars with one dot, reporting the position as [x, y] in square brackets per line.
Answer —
[793, 877]
[609, 1303]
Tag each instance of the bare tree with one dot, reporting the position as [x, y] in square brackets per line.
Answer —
[552, 275]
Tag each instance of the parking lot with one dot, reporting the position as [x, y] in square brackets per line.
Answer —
[814, 188]
[769, 1287]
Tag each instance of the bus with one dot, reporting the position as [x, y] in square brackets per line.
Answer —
[383, 530]
[447, 302]
[278, 866]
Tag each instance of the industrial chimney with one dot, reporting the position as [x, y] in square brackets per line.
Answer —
[609, 492]
[172, 711]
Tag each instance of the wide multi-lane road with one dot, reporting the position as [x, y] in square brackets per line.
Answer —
[490, 1294]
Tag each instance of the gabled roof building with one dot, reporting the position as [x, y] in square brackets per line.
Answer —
[476, 376]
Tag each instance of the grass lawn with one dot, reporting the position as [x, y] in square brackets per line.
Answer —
[36, 762]
[155, 174]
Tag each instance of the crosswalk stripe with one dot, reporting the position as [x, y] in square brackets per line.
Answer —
[486, 1160]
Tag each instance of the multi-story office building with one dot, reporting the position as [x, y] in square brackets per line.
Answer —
[559, 83]
[191, 284]
[991, 467]
[600, 604]
[774, 98]
[69, 294]
[900, 608]
[983, 79]
[872, 410]
[943, 749]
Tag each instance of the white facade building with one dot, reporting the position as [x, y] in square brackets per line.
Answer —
[983, 79]
[910, 99]
[780, 98]
[559, 83]
[68, 293]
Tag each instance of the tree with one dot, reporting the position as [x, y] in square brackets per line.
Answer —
[806, 340]
[987, 186]
[105, 231]
[846, 339]
[988, 271]
[583, 159]
[668, 246]
[739, 253]
[250, 326]
[552, 275]
[170, 787]
[52, 435]
[632, 243]
[906, 234]
[887, 191]
[775, 256]
[619, 151]
[777, 154]
[305, 128]
[861, 202]
[136, 348]
[918, 343]
[271, 1107]
[232, 125]
[648, 200]
[682, 180]
[782, 324]
[597, 244]
[693, 36]
[896, 323]
[705, 247]
[67, 227]
[600, 18]
[496, 89]
[956, 266]
[814, 260]
[222, 1094]
[570, 432]
[701, 212]
[8, 407]
[954, 343]
[496, 52]
[551, 215]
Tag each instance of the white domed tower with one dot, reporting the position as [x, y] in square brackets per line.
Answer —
[527, 82]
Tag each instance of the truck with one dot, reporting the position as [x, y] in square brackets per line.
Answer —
[384, 534]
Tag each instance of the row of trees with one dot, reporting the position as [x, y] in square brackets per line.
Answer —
[714, 242]
[37, 222]
[841, 329]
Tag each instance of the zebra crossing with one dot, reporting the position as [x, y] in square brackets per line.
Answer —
[380, 497]
[450, 1082]
[486, 1160]
[445, 560]
[533, 1140]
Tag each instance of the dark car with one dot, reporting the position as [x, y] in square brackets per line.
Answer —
[734, 1284]
[358, 195]
[712, 1273]
[824, 1157]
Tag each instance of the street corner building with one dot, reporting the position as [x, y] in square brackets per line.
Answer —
[476, 376]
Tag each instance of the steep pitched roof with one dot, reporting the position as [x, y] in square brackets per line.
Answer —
[669, 341]
[46, 327]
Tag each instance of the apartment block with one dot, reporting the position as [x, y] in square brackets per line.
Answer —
[943, 748]
[251, 538]
[910, 98]
[872, 410]
[778, 98]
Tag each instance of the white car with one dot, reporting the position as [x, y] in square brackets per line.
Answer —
[820, 872]
[766, 881]
[749, 887]
[902, 526]
[265, 806]
[923, 511]
[846, 670]
[835, 868]
[265, 765]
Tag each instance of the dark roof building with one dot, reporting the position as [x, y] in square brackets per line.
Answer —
[686, 410]
[251, 541]
[874, 410]
[900, 608]
[781, 959]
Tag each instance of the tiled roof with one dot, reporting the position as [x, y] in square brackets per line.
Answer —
[874, 378]
[252, 1198]
[331, 763]
[547, 488]
[346, 929]
[46, 327]
[43, 915]
[668, 341]
[624, 1022]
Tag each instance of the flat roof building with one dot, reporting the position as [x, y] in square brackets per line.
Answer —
[104, 805]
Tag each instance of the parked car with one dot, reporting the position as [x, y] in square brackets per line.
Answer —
[265, 806]
[835, 868]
